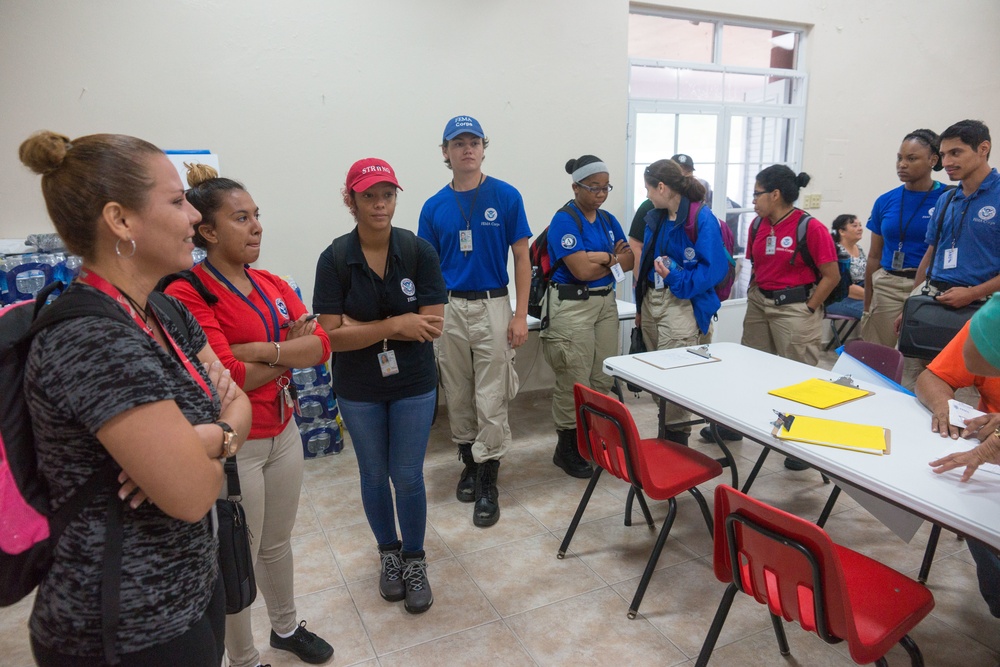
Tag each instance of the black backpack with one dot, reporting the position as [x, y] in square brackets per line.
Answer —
[843, 287]
[542, 267]
[29, 531]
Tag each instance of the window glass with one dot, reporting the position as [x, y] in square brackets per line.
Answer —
[758, 47]
[663, 38]
[656, 83]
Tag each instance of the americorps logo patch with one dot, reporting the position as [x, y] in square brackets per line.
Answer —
[568, 241]
[491, 214]
[282, 308]
[987, 213]
[409, 289]
[786, 242]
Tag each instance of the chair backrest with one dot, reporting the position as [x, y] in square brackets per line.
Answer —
[782, 561]
[607, 435]
[886, 360]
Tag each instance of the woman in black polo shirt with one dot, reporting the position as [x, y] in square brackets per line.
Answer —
[380, 297]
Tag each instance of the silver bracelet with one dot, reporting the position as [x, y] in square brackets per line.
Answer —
[277, 356]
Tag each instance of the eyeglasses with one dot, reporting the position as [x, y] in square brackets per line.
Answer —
[758, 194]
[589, 188]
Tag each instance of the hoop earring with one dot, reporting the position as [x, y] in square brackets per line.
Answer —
[118, 250]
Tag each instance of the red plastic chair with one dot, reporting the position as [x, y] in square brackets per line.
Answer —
[793, 567]
[886, 360]
[607, 435]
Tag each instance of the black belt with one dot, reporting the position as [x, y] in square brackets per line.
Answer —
[942, 286]
[653, 286]
[905, 273]
[475, 296]
[570, 292]
[775, 293]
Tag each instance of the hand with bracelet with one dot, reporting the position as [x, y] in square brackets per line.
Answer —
[988, 451]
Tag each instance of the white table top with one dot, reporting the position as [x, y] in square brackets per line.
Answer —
[733, 392]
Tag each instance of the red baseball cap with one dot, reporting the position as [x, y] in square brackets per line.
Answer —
[367, 172]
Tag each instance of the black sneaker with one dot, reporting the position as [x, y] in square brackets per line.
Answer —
[418, 590]
[724, 433]
[795, 464]
[306, 645]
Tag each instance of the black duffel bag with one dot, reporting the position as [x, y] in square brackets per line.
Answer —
[637, 346]
[929, 325]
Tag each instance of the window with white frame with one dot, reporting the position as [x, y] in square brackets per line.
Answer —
[729, 93]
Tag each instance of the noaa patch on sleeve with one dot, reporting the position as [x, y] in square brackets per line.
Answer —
[282, 308]
[568, 241]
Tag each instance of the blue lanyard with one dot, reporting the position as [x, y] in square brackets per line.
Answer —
[605, 228]
[267, 302]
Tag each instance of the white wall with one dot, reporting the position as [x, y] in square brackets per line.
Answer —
[289, 94]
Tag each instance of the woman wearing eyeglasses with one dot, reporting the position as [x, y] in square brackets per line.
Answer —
[681, 263]
[589, 249]
[785, 301]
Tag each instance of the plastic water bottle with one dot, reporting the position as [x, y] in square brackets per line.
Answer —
[198, 255]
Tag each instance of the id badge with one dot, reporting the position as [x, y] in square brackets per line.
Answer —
[771, 245]
[658, 281]
[464, 241]
[616, 271]
[387, 363]
[950, 258]
[897, 260]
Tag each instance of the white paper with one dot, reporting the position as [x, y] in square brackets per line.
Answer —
[903, 523]
[958, 412]
[950, 446]
[674, 358]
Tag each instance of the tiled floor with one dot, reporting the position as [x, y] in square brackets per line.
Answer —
[502, 597]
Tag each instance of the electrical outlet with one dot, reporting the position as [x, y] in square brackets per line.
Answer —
[812, 201]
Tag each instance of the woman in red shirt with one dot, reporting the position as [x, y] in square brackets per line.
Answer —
[785, 301]
[257, 325]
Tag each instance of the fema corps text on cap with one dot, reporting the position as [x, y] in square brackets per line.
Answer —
[461, 125]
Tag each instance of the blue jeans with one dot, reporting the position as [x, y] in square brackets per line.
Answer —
[988, 573]
[849, 307]
[390, 440]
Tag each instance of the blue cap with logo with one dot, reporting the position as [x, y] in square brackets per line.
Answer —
[462, 125]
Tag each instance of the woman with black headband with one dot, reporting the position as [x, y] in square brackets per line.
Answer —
[898, 224]
[589, 249]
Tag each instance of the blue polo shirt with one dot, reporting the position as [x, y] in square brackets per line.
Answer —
[495, 216]
[565, 238]
[972, 225]
[902, 215]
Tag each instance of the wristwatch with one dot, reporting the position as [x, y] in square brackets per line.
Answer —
[228, 440]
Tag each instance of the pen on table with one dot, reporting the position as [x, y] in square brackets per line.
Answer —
[289, 322]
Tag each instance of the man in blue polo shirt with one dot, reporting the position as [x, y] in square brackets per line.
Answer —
[473, 223]
[962, 260]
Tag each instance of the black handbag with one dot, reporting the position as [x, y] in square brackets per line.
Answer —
[928, 325]
[235, 555]
[637, 346]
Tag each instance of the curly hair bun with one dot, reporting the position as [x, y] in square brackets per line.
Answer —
[198, 173]
[802, 180]
[44, 151]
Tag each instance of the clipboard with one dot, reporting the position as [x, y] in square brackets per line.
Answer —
[863, 438]
[822, 394]
[677, 357]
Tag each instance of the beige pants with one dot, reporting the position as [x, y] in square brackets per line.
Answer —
[270, 480]
[477, 371]
[888, 294]
[789, 331]
[667, 323]
[581, 335]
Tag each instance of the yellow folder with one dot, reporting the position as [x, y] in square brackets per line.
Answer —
[820, 394]
[829, 433]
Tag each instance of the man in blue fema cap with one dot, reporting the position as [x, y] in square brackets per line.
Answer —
[473, 223]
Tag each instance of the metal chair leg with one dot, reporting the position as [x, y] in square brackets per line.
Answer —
[645, 508]
[730, 462]
[916, 658]
[628, 505]
[653, 558]
[579, 512]
[779, 634]
[713, 632]
[830, 502]
[925, 566]
[704, 508]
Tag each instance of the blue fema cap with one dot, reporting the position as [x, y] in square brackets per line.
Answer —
[462, 125]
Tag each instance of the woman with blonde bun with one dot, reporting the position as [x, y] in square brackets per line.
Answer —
[135, 396]
[257, 325]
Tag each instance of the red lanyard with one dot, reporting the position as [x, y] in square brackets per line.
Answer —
[90, 278]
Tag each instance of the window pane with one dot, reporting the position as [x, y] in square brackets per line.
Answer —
[696, 85]
[654, 137]
[696, 136]
[756, 47]
[657, 83]
[661, 38]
